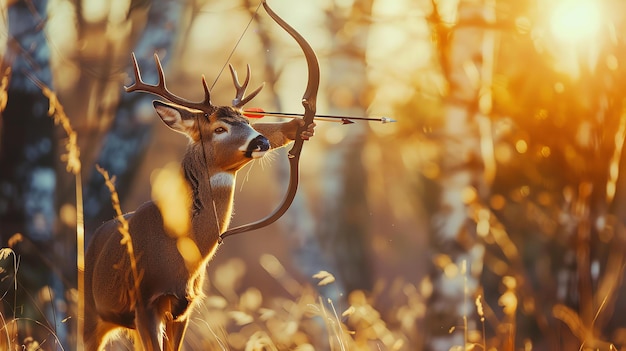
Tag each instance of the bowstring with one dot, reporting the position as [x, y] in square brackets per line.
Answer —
[232, 52]
[230, 55]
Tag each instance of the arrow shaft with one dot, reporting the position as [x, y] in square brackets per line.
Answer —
[290, 115]
[329, 118]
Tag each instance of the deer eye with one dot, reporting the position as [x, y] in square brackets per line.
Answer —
[219, 130]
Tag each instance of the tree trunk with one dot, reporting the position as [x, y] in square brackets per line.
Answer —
[130, 133]
[28, 177]
[344, 220]
[464, 176]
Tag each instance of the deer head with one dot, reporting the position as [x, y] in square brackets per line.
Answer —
[224, 136]
[210, 128]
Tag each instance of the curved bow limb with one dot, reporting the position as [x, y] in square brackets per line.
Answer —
[309, 100]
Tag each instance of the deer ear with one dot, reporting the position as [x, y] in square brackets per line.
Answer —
[177, 117]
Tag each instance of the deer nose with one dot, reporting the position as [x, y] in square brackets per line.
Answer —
[258, 144]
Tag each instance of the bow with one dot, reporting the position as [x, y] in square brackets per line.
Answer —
[309, 99]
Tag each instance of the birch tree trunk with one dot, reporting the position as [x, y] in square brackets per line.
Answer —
[466, 170]
[28, 177]
[344, 226]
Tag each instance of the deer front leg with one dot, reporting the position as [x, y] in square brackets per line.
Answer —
[174, 334]
[173, 312]
[148, 324]
[281, 133]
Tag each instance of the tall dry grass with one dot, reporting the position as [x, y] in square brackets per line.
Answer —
[244, 319]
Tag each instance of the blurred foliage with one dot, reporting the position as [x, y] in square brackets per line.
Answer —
[550, 220]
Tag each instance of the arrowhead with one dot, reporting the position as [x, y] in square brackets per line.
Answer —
[346, 121]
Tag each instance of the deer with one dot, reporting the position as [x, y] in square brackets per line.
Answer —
[157, 305]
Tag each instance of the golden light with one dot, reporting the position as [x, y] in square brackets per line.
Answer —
[575, 20]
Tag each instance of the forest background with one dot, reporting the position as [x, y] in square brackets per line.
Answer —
[490, 216]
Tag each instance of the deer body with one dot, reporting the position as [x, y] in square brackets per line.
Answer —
[172, 266]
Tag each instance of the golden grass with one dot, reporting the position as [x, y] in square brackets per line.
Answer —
[236, 318]
[126, 239]
[9, 324]
[302, 321]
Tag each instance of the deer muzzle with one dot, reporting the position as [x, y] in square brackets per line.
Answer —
[257, 147]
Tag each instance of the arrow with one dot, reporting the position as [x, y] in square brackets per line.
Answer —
[259, 113]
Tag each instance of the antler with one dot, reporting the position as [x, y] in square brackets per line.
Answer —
[239, 99]
[161, 90]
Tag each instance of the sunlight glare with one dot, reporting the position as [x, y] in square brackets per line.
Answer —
[575, 20]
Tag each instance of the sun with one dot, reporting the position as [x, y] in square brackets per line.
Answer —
[575, 20]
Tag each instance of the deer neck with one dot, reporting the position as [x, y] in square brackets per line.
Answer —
[212, 191]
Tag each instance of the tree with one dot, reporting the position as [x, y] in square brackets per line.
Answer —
[28, 174]
[343, 230]
[465, 173]
[130, 132]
